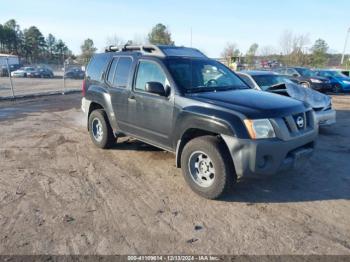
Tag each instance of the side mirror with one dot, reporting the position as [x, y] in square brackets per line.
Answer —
[295, 75]
[155, 88]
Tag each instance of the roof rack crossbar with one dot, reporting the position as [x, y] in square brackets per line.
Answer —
[144, 49]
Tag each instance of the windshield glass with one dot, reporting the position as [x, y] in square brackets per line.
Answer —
[305, 72]
[266, 81]
[200, 75]
[331, 73]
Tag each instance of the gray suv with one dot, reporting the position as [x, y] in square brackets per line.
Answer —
[177, 99]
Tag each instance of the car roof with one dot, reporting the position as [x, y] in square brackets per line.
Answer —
[258, 72]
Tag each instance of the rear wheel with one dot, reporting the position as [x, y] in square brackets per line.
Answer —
[100, 131]
[207, 167]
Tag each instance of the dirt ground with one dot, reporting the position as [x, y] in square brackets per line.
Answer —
[27, 86]
[59, 194]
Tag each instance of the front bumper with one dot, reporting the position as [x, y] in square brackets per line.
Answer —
[269, 156]
[325, 118]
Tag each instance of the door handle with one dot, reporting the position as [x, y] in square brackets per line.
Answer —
[132, 98]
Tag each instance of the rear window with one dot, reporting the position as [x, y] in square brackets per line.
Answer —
[96, 66]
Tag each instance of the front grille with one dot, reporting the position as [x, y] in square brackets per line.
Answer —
[297, 123]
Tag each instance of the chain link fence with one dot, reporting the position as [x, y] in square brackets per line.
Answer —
[41, 79]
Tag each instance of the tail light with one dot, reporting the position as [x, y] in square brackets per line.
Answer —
[83, 88]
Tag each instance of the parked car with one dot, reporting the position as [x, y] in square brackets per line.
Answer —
[4, 69]
[272, 82]
[75, 73]
[41, 73]
[177, 99]
[339, 81]
[305, 77]
[23, 71]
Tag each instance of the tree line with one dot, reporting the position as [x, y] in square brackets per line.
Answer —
[31, 44]
[159, 35]
[34, 47]
[293, 51]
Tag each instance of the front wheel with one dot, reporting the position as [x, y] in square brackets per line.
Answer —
[100, 131]
[207, 167]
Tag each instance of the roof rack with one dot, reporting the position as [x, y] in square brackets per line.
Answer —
[144, 49]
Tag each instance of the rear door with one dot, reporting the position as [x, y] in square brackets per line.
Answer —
[119, 82]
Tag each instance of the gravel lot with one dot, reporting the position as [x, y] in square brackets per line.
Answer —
[28, 86]
[59, 194]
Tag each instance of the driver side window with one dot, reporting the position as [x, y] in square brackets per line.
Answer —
[149, 71]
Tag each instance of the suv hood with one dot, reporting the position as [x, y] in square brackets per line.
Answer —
[252, 103]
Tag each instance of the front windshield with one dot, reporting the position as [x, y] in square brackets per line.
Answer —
[305, 72]
[200, 75]
[332, 73]
[266, 81]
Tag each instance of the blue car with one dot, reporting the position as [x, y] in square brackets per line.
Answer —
[339, 81]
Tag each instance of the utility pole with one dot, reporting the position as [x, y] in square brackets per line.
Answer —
[345, 44]
[191, 36]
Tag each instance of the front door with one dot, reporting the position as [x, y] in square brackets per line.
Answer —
[151, 115]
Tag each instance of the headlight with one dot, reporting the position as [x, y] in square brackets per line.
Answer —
[259, 128]
[313, 80]
[346, 82]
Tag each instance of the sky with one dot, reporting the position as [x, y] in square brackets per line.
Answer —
[213, 23]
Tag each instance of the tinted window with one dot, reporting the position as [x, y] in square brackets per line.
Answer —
[122, 73]
[149, 72]
[305, 72]
[96, 66]
[291, 72]
[112, 71]
[266, 81]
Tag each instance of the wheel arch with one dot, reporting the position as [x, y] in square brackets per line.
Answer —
[190, 134]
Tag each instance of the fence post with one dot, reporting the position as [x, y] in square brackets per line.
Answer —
[64, 79]
[9, 73]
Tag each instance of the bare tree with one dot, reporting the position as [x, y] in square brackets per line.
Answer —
[286, 42]
[230, 51]
[140, 40]
[294, 48]
[115, 40]
[267, 50]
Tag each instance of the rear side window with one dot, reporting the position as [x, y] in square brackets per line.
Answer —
[111, 73]
[97, 66]
[119, 72]
[122, 73]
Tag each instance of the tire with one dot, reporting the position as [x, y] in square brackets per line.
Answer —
[100, 130]
[221, 176]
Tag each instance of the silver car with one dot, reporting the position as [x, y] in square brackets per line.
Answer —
[273, 82]
[23, 71]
